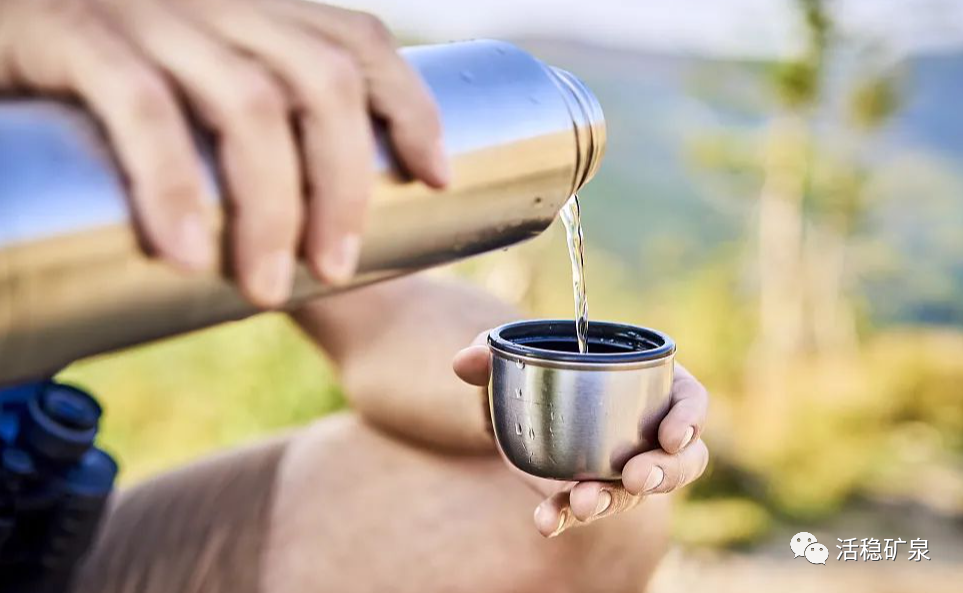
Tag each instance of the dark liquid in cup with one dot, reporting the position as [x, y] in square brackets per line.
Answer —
[573, 346]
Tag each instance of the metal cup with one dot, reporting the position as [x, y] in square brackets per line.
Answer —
[561, 414]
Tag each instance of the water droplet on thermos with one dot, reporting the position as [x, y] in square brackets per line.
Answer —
[518, 429]
[518, 393]
[531, 433]
[519, 364]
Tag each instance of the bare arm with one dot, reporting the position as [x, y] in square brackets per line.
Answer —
[394, 343]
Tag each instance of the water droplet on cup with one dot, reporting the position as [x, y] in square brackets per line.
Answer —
[518, 429]
[518, 393]
[531, 433]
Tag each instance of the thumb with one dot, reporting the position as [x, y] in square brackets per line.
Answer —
[473, 364]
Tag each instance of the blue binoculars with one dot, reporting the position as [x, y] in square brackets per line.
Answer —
[54, 483]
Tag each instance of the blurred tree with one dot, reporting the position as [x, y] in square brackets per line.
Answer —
[785, 163]
[785, 167]
[838, 204]
[800, 382]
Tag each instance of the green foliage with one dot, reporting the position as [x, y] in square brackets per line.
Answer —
[837, 186]
[818, 25]
[796, 82]
[733, 157]
[720, 522]
[873, 100]
[169, 402]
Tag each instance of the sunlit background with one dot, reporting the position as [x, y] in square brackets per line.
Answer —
[783, 193]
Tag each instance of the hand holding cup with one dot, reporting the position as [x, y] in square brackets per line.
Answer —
[667, 412]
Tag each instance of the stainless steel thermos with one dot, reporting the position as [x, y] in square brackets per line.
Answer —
[523, 137]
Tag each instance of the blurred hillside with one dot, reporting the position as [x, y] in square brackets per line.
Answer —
[657, 209]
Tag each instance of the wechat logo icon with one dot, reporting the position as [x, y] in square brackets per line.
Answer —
[804, 544]
[817, 553]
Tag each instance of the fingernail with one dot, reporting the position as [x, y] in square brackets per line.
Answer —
[539, 511]
[561, 524]
[440, 166]
[340, 263]
[656, 475]
[689, 433]
[272, 278]
[193, 243]
[605, 501]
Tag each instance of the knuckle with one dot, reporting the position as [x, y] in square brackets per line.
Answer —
[373, 33]
[257, 97]
[148, 97]
[70, 17]
[687, 385]
[348, 208]
[264, 235]
[181, 195]
[170, 182]
[340, 77]
[345, 218]
[281, 217]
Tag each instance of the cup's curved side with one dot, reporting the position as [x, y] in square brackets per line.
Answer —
[577, 423]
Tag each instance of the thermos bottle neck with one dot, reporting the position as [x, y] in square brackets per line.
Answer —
[588, 123]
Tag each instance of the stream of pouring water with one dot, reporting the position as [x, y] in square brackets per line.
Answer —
[573, 229]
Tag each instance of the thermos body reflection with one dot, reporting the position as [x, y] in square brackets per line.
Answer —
[522, 136]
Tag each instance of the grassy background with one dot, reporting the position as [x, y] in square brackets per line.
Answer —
[169, 402]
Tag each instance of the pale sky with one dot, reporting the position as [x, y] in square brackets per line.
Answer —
[740, 28]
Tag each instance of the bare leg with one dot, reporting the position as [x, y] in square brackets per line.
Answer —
[388, 516]
[341, 507]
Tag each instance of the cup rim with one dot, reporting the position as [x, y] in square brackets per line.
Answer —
[510, 338]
